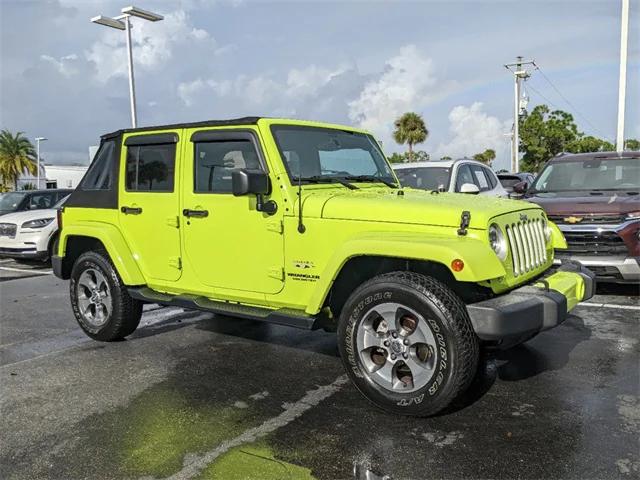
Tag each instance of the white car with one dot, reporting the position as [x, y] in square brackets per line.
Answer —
[29, 235]
[462, 176]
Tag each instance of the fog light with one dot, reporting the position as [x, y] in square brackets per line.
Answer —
[457, 265]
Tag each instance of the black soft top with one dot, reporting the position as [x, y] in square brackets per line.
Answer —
[206, 123]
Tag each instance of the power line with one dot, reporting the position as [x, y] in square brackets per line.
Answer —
[529, 87]
[596, 130]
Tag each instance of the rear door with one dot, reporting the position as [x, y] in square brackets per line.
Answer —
[148, 202]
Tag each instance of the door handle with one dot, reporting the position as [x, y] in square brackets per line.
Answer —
[131, 210]
[195, 213]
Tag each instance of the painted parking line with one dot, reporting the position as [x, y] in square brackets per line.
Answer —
[291, 412]
[610, 305]
[24, 270]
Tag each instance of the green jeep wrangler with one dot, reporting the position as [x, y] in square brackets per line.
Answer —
[305, 224]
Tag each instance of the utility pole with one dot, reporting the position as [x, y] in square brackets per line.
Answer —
[519, 73]
[38, 140]
[622, 86]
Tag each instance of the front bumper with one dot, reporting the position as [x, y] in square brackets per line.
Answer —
[515, 317]
[607, 268]
[28, 253]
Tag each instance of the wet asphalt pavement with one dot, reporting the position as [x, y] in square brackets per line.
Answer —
[192, 395]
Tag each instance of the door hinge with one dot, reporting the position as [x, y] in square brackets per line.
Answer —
[276, 272]
[275, 226]
[175, 262]
[173, 221]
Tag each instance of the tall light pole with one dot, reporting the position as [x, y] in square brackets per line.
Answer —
[622, 86]
[38, 140]
[119, 24]
[519, 73]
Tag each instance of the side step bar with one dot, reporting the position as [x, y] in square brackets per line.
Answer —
[283, 316]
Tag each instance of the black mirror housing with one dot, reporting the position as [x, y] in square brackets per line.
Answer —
[521, 187]
[245, 181]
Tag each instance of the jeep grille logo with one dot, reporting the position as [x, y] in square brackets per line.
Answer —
[523, 217]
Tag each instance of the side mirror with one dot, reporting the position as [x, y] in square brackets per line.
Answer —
[469, 188]
[245, 182]
[520, 187]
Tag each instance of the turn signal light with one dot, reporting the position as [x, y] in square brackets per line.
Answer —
[457, 265]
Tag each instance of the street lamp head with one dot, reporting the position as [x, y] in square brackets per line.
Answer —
[108, 22]
[138, 12]
[40, 139]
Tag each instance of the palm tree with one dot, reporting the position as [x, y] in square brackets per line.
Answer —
[17, 156]
[410, 129]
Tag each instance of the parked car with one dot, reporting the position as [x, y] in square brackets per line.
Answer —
[31, 234]
[304, 224]
[509, 180]
[463, 176]
[21, 201]
[594, 198]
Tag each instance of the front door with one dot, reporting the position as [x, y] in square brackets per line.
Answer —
[228, 244]
[149, 203]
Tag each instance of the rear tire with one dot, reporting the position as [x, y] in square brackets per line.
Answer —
[407, 343]
[100, 301]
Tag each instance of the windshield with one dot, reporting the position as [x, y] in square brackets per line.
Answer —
[590, 175]
[11, 201]
[426, 178]
[323, 154]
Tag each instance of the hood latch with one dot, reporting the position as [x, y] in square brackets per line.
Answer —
[465, 219]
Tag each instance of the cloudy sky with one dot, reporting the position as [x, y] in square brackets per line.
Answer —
[354, 62]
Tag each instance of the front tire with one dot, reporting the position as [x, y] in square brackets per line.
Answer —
[100, 301]
[407, 343]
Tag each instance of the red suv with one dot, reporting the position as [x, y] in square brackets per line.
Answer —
[594, 198]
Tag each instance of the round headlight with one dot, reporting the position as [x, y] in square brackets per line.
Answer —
[497, 241]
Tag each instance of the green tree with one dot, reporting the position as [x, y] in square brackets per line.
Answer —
[17, 157]
[446, 157]
[417, 156]
[486, 157]
[544, 134]
[632, 144]
[410, 129]
[589, 144]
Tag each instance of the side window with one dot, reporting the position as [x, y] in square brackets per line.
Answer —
[214, 161]
[464, 176]
[150, 168]
[100, 173]
[41, 200]
[480, 178]
[491, 178]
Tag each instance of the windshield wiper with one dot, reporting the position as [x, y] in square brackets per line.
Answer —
[371, 178]
[323, 179]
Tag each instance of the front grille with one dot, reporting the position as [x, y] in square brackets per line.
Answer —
[594, 243]
[527, 245]
[8, 230]
[588, 219]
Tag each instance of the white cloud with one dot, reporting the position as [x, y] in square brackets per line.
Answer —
[153, 44]
[66, 65]
[309, 80]
[473, 131]
[408, 83]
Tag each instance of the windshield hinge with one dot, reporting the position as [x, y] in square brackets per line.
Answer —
[275, 226]
[276, 272]
[175, 262]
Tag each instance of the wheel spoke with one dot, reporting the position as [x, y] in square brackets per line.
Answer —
[385, 375]
[83, 302]
[106, 304]
[420, 371]
[371, 339]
